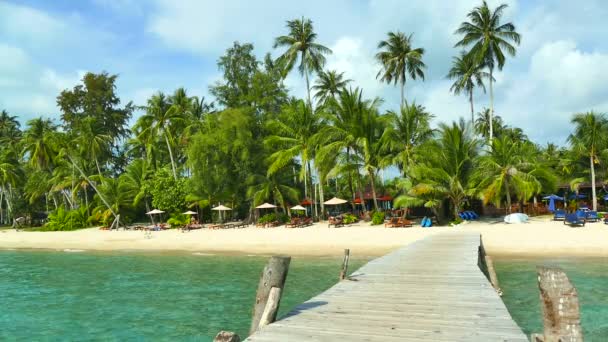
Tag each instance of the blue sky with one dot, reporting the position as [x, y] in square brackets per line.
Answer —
[45, 46]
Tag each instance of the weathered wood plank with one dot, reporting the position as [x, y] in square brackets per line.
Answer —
[432, 290]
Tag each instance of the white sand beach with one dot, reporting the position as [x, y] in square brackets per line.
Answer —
[538, 237]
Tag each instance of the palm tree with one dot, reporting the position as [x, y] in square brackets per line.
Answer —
[405, 133]
[92, 141]
[340, 141]
[329, 84]
[447, 170]
[509, 167]
[489, 38]
[370, 142]
[159, 120]
[9, 129]
[485, 120]
[11, 173]
[467, 74]
[300, 43]
[39, 145]
[589, 138]
[293, 134]
[398, 59]
[271, 188]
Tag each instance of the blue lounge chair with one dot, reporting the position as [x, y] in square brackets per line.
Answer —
[592, 216]
[474, 215]
[559, 215]
[574, 220]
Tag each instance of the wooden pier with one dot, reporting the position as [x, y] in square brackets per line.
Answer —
[431, 290]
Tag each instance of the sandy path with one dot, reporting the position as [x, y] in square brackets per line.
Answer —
[539, 237]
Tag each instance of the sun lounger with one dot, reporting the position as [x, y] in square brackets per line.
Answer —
[295, 222]
[559, 215]
[403, 222]
[335, 221]
[574, 220]
[305, 222]
[393, 222]
[592, 216]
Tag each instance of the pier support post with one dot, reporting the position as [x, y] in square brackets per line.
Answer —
[272, 307]
[226, 336]
[344, 270]
[560, 306]
[273, 275]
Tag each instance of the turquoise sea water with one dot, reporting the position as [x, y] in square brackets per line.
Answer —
[517, 278]
[56, 296]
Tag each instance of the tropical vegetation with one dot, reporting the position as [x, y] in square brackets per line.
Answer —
[255, 141]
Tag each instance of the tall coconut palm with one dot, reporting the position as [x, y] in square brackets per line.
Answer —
[329, 84]
[405, 133]
[398, 59]
[159, 120]
[271, 188]
[39, 143]
[589, 139]
[293, 133]
[490, 39]
[301, 44]
[370, 143]
[340, 141]
[467, 74]
[11, 173]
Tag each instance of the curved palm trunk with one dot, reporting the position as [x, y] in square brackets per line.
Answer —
[472, 110]
[312, 188]
[350, 180]
[98, 168]
[94, 187]
[491, 109]
[593, 194]
[171, 156]
[372, 178]
[402, 95]
[321, 194]
[308, 89]
[1, 207]
[361, 193]
[508, 191]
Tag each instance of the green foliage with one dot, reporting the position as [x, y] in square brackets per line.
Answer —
[349, 218]
[62, 219]
[272, 217]
[456, 221]
[377, 218]
[178, 220]
[168, 194]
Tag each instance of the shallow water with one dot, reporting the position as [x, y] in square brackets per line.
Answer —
[49, 296]
[517, 278]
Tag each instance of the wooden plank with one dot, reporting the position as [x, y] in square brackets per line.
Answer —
[431, 290]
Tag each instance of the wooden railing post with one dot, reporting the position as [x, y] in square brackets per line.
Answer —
[273, 276]
[560, 307]
[344, 270]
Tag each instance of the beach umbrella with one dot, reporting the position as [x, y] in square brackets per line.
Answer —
[516, 218]
[552, 198]
[298, 207]
[221, 208]
[189, 212]
[579, 196]
[266, 206]
[335, 201]
[154, 212]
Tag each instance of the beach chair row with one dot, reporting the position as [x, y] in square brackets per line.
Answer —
[298, 222]
[398, 222]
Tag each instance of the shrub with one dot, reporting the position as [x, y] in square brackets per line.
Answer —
[62, 219]
[377, 218]
[350, 218]
[178, 220]
[268, 218]
[456, 221]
